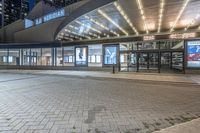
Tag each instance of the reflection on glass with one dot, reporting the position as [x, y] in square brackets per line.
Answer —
[177, 60]
[110, 56]
[153, 60]
[143, 61]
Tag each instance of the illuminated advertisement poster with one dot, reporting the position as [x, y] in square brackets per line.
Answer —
[81, 56]
[110, 56]
[193, 54]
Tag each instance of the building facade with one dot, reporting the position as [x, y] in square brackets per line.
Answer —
[100, 35]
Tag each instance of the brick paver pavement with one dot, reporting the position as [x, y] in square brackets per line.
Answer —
[64, 104]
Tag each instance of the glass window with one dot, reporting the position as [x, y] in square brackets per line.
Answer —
[68, 56]
[128, 46]
[26, 56]
[13, 58]
[36, 57]
[3, 56]
[46, 56]
[95, 55]
[59, 58]
[148, 45]
[173, 44]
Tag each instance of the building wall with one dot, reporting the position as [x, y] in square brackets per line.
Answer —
[6, 34]
[41, 33]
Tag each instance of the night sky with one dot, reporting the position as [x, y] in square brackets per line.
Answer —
[31, 4]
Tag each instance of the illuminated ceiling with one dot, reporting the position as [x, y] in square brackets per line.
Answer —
[134, 18]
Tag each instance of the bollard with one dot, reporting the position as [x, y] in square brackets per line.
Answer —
[113, 69]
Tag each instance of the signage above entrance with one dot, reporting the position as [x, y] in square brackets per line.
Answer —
[182, 36]
[148, 38]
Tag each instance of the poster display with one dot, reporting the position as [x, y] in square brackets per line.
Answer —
[81, 56]
[110, 55]
[193, 54]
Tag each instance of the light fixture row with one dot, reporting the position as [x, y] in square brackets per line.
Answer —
[179, 15]
[160, 17]
[89, 27]
[193, 21]
[101, 25]
[112, 21]
[141, 9]
[85, 32]
[75, 33]
[122, 12]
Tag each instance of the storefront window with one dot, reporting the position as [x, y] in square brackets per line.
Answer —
[59, 58]
[148, 46]
[13, 58]
[36, 57]
[173, 44]
[46, 56]
[3, 56]
[26, 56]
[68, 59]
[95, 55]
[128, 46]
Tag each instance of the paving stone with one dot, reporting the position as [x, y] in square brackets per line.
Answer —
[65, 104]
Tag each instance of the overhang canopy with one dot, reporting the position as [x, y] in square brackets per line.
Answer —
[123, 18]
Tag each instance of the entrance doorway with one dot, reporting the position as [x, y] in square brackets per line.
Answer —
[148, 61]
[152, 61]
[171, 61]
[128, 62]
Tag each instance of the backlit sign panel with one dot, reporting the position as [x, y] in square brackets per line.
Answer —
[110, 55]
[81, 56]
[193, 54]
[38, 21]
[148, 38]
[28, 23]
[54, 15]
[46, 18]
[182, 36]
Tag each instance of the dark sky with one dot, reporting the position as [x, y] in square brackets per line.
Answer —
[31, 4]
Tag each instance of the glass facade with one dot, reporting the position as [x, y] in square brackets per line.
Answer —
[133, 56]
[152, 56]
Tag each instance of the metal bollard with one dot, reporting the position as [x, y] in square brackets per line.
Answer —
[113, 69]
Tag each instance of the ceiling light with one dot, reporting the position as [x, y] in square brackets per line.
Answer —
[179, 15]
[113, 22]
[161, 11]
[140, 7]
[122, 12]
[193, 21]
[89, 27]
[101, 25]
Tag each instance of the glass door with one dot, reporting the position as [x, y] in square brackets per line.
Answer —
[177, 61]
[153, 61]
[128, 62]
[143, 61]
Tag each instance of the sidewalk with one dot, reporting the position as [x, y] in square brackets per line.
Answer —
[174, 78]
[188, 127]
